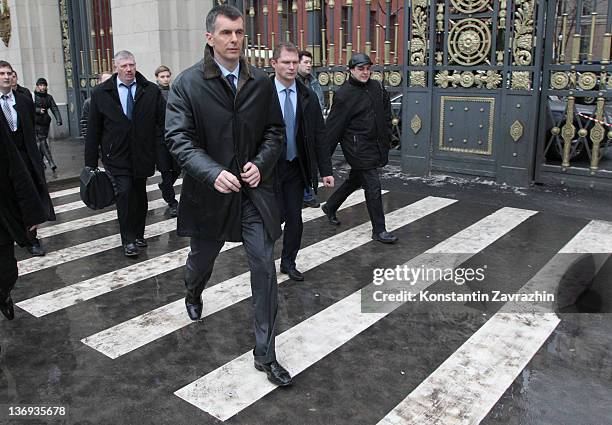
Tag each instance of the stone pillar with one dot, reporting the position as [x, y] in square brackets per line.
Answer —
[168, 32]
[35, 50]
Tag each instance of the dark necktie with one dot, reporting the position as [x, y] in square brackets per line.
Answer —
[129, 109]
[231, 78]
[6, 108]
[289, 116]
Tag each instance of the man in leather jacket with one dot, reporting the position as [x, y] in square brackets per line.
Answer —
[225, 128]
[360, 119]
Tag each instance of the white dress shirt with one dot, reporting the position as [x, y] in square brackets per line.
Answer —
[123, 92]
[281, 96]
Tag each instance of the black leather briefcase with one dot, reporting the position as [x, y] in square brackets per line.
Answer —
[97, 188]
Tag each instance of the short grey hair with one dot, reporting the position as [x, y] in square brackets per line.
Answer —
[222, 9]
[123, 54]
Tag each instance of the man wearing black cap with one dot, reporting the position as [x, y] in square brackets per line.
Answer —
[43, 101]
[360, 119]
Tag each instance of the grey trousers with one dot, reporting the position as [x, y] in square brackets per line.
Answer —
[264, 287]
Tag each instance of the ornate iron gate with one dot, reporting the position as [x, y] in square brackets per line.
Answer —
[473, 89]
[88, 50]
[576, 109]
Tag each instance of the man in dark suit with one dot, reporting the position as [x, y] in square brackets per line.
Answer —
[21, 210]
[18, 115]
[304, 153]
[126, 120]
[225, 128]
[20, 89]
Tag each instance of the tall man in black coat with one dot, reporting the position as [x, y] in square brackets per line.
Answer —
[21, 210]
[18, 116]
[304, 154]
[126, 120]
[360, 119]
[225, 128]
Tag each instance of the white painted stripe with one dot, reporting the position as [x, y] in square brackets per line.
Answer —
[77, 189]
[141, 330]
[84, 222]
[59, 299]
[79, 204]
[594, 238]
[55, 258]
[65, 297]
[234, 386]
[468, 384]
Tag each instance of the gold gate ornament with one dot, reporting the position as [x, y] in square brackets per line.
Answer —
[5, 23]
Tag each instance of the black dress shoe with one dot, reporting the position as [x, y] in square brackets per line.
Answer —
[331, 216]
[276, 373]
[36, 249]
[141, 243]
[7, 308]
[130, 250]
[384, 237]
[173, 210]
[194, 310]
[294, 274]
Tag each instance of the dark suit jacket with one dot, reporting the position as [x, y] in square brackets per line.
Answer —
[313, 152]
[21, 206]
[128, 147]
[32, 157]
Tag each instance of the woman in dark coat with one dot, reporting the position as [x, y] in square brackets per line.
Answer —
[44, 102]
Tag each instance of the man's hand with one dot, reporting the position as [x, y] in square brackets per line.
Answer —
[31, 229]
[42, 110]
[251, 174]
[58, 123]
[328, 181]
[226, 182]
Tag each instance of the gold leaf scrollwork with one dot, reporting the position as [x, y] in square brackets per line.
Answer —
[587, 80]
[395, 78]
[568, 131]
[417, 79]
[491, 79]
[323, 78]
[522, 43]
[418, 41]
[5, 23]
[521, 80]
[415, 124]
[516, 130]
[559, 80]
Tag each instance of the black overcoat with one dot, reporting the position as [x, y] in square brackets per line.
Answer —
[208, 131]
[128, 147]
[21, 206]
[32, 158]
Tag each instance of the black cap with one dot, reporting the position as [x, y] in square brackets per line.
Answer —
[41, 81]
[359, 59]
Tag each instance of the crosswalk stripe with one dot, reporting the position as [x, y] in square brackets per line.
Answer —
[56, 258]
[468, 384]
[93, 220]
[79, 204]
[141, 330]
[229, 389]
[77, 189]
[82, 291]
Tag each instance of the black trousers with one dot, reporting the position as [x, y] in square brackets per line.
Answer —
[131, 207]
[8, 264]
[167, 186]
[290, 200]
[264, 287]
[369, 180]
